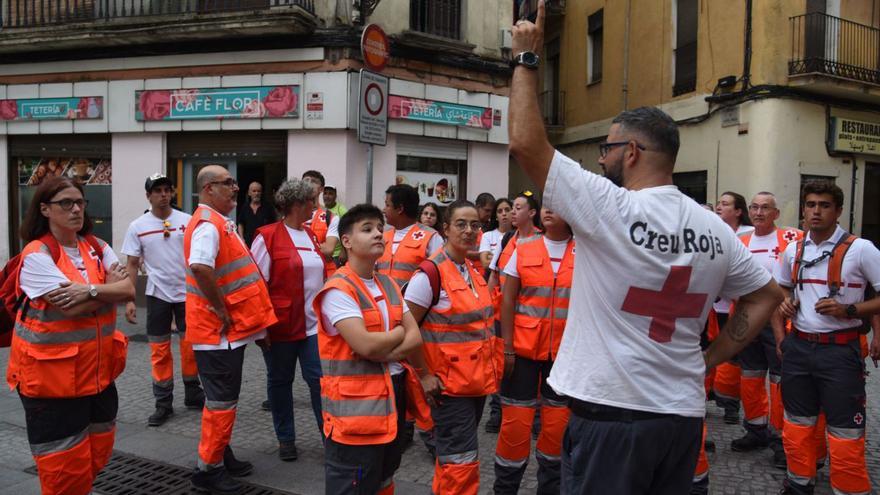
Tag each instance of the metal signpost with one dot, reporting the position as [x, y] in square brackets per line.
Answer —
[373, 96]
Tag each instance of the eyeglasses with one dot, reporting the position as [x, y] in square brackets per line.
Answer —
[166, 229]
[761, 208]
[230, 182]
[604, 148]
[67, 204]
[463, 225]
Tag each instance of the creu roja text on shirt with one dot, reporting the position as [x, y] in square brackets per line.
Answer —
[689, 241]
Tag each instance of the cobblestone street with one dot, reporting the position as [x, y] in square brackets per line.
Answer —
[175, 442]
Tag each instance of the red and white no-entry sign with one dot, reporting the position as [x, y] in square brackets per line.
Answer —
[373, 111]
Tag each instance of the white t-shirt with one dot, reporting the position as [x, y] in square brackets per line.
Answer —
[861, 266]
[162, 256]
[313, 269]
[203, 249]
[649, 265]
[556, 250]
[496, 252]
[336, 306]
[418, 291]
[39, 275]
[723, 304]
[765, 249]
[434, 244]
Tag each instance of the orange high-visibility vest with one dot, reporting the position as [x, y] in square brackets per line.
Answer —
[402, 264]
[58, 356]
[503, 258]
[321, 219]
[243, 289]
[460, 345]
[783, 238]
[542, 305]
[357, 396]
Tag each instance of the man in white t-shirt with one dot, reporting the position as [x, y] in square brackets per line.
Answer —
[823, 369]
[156, 237]
[650, 262]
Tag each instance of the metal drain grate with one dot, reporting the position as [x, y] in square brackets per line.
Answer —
[126, 474]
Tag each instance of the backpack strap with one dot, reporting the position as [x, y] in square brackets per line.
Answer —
[96, 246]
[433, 273]
[835, 264]
[798, 259]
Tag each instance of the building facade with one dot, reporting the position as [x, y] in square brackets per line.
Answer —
[768, 94]
[111, 91]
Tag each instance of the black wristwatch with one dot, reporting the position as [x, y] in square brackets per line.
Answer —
[851, 310]
[528, 60]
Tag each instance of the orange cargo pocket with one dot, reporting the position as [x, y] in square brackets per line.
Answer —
[120, 353]
[466, 370]
[525, 334]
[241, 298]
[364, 406]
[50, 371]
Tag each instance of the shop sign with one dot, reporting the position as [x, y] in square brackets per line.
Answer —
[375, 48]
[315, 106]
[86, 107]
[439, 112]
[855, 136]
[260, 102]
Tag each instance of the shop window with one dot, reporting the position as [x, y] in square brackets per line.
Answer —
[692, 184]
[438, 180]
[686, 19]
[438, 17]
[594, 46]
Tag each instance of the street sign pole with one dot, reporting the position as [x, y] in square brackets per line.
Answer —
[370, 173]
[373, 107]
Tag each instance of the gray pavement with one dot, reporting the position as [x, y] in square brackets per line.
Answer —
[253, 439]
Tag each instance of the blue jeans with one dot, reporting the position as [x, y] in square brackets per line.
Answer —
[281, 363]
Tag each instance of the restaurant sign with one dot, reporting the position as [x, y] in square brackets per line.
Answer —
[259, 102]
[854, 136]
[86, 107]
[439, 112]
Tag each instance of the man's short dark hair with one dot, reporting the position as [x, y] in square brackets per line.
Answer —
[823, 187]
[654, 126]
[406, 196]
[484, 199]
[358, 213]
[314, 174]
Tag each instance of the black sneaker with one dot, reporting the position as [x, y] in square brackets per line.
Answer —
[709, 446]
[216, 482]
[266, 405]
[748, 442]
[731, 416]
[779, 459]
[493, 424]
[287, 452]
[235, 467]
[161, 415]
[195, 397]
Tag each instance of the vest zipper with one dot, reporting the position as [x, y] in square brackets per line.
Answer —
[552, 315]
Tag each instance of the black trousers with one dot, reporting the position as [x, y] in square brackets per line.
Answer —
[50, 420]
[626, 452]
[220, 372]
[365, 469]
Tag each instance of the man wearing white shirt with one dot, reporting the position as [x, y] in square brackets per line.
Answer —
[157, 238]
[650, 263]
[822, 364]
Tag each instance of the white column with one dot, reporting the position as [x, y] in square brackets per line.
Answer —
[135, 157]
[487, 169]
[324, 151]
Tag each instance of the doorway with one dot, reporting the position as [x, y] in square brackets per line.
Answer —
[191, 168]
[871, 204]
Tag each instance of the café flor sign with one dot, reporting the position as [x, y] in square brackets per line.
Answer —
[259, 102]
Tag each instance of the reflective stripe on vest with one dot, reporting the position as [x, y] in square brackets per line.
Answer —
[539, 312]
[74, 336]
[348, 367]
[352, 408]
[229, 287]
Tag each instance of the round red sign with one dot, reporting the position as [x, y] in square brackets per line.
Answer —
[375, 48]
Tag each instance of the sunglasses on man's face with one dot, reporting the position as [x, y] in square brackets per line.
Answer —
[229, 182]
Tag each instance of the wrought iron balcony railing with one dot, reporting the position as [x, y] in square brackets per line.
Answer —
[39, 13]
[553, 108]
[828, 45]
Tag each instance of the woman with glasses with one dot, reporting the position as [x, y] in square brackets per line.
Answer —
[461, 361]
[66, 351]
[290, 259]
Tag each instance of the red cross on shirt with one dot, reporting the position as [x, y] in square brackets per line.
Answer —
[417, 235]
[666, 305]
[776, 252]
[789, 235]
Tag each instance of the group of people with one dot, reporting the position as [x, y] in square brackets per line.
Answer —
[597, 319]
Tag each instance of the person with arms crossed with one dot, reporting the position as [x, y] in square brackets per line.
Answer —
[66, 352]
[650, 263]
[825, 275]
[364, 330]
[227, 307]
[156, 237]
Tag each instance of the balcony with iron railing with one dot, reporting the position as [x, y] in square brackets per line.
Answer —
[64, 24]
[553, 108]
[828, 46]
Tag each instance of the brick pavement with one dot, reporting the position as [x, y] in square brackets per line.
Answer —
[175, 442]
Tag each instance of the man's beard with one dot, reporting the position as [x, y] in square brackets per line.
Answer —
[614, 173]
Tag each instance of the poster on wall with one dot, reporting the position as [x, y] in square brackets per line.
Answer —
[32, 171]
[86, 107]
[260, 102]
[441, 189]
